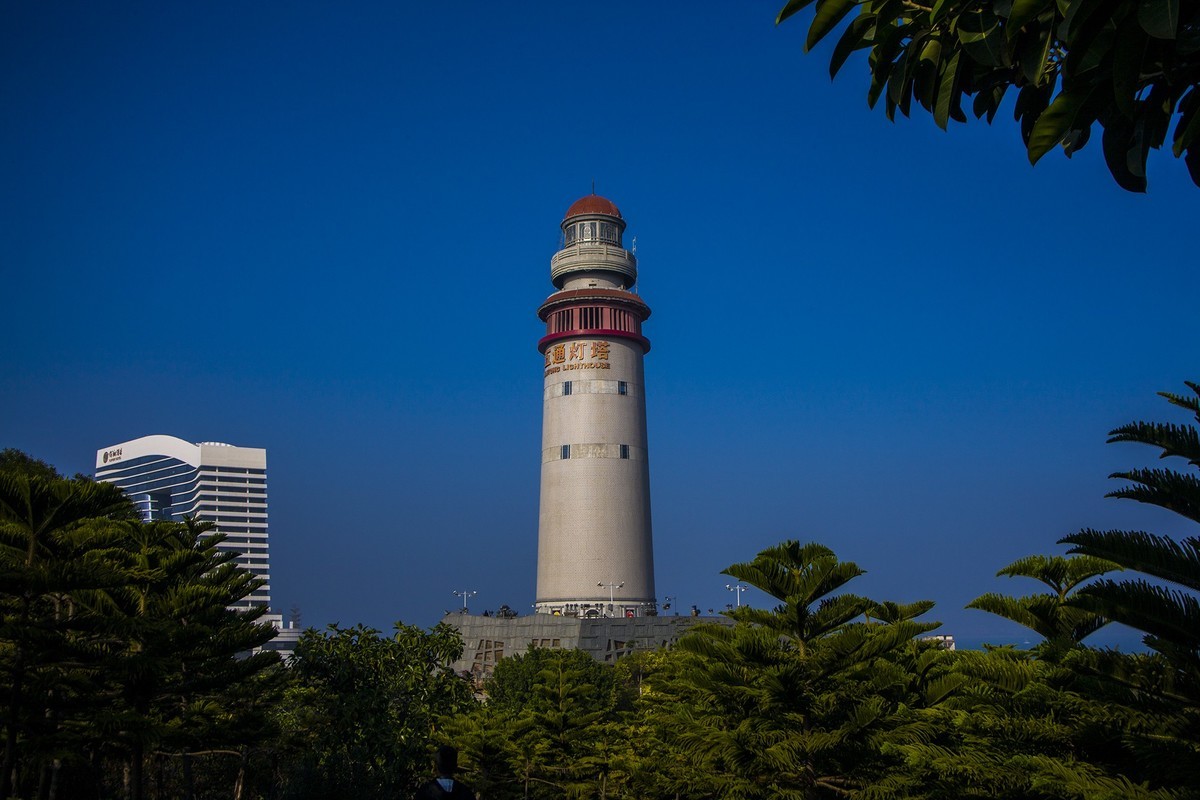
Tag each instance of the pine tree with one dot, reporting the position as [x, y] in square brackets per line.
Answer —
[54, 533]
[1164, 605]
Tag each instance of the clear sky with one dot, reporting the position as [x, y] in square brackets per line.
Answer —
[324, 228]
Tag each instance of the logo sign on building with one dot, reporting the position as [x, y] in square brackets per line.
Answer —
[112, 455]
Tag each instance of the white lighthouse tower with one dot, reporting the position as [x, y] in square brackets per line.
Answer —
[595, 555]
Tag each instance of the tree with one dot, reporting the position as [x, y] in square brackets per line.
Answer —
[513, 684]
[1167, 608]
[1049, 614]
[1129, 67]
[363, 713]
[562, 732]
[178, 651]
[802, 700]
[54, 537]
[116, 636]
[17, 462]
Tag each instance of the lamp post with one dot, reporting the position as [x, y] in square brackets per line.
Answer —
[670, 601]
[464, 594]
[612, 587]
[738, 588]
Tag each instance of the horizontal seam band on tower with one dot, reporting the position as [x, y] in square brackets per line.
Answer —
[592, 387]
[585, 450]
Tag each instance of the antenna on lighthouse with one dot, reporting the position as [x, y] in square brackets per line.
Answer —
[634, 246]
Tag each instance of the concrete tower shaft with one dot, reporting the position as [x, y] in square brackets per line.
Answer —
[595, 554]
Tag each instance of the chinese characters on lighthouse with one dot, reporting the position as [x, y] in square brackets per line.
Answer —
[576, 355]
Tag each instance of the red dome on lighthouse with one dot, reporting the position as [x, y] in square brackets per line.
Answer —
[593, 204]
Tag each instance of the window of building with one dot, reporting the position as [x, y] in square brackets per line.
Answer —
[622, 387]
[566, 388]
[624, 451]
[566, 451]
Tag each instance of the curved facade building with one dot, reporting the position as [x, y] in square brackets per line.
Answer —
[595, 554]
[168, 478]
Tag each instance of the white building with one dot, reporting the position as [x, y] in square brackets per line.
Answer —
[168, 478]
[595, 555]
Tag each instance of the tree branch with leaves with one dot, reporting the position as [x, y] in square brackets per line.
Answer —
[1131, 68]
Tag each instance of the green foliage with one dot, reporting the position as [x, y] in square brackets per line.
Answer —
[562, 732]
[175, 647]
[115, 636]
[363, 711]
[14, 461]
[802, 700]
[1132, 68]
[1165, 608]
[55, 534]
[1169, 616]
[1049, 614]
[517, 682]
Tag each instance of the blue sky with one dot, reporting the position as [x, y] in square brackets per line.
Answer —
[324, 229]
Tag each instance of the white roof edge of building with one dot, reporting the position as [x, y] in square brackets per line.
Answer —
[208, 453]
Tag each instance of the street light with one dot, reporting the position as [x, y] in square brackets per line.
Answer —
[464, 594]
[611, 588]
[737, 587]
[670, 601]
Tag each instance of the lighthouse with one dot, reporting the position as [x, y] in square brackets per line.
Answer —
[595, 554]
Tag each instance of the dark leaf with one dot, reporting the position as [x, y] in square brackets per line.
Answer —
[1054, 123]
[1082, 58]
[1189, 122]
[1023, 11]
[1128, 53]
[878, 84]
[998, 93]
[792, 7]
[1159, 18]
[925, 73]
[829, 14]
[888, 11]
[853, 38]
[940, 7]
[1096, 17]
[1157, 115]
[900, 83]
[1035, 52]
[1076, 139]
[947, 90]
[1031, 102]
[1088, 15]
[1067, 9]
[982, 37]
[884, 58]
[1135, 162]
